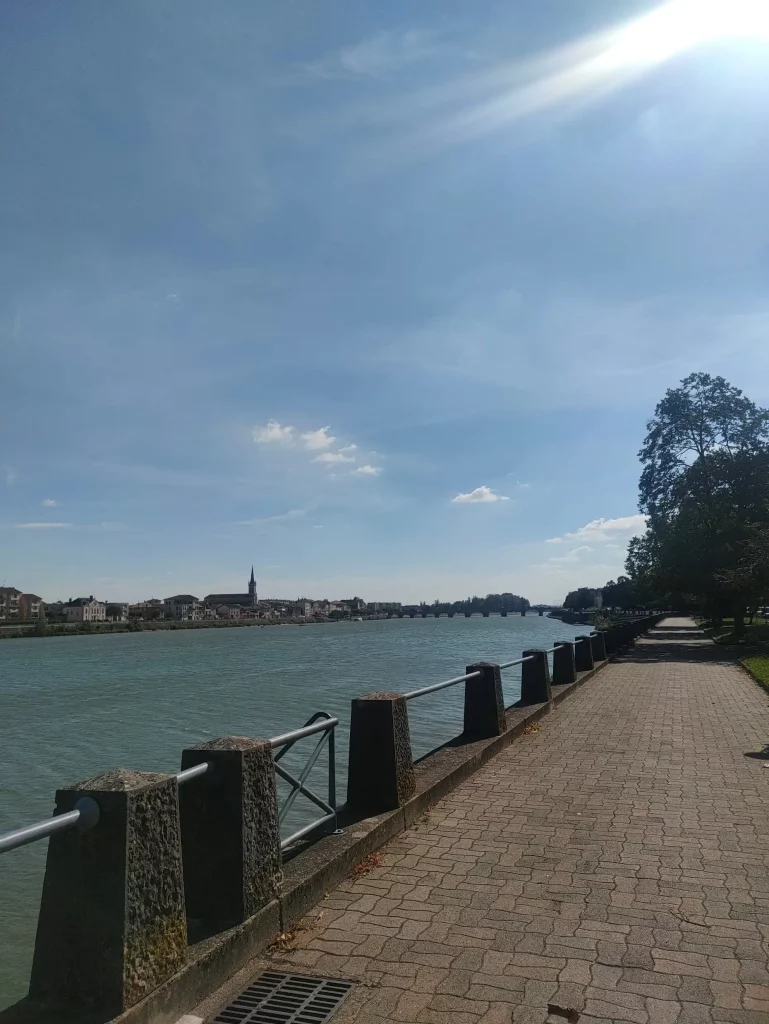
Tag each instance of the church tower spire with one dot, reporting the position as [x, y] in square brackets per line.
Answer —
[252, 587]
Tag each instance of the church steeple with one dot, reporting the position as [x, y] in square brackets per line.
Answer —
[252, 586]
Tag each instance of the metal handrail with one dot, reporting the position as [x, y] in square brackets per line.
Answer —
[307, 730]
[85, 814]
[320, 722]
[83, 817]
[439, 686]
[517, 661]
[193, 773]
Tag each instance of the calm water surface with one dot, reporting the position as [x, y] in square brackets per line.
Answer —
[74, 706]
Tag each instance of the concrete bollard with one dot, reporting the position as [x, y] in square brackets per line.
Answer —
[564, 669]
[598, 647]
[230, 831]
[380, 769]
[535, 678]
[611, 641]
[112, 925]
[583, 654]
[484, 703]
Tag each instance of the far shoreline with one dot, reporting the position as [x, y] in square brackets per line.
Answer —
[27, 631]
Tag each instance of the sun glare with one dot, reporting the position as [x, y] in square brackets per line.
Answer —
[680, 25]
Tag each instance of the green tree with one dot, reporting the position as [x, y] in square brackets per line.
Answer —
[705, 490]
[704, 416]
[621, 594]
[580, 599]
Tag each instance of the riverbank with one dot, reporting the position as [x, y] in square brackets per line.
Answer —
[29, 631]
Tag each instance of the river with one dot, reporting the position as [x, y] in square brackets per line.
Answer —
[71, 707]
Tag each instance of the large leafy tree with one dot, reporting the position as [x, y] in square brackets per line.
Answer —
[580, 599]
[705, 490]
[620, 594]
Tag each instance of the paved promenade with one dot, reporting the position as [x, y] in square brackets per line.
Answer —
[613, 863]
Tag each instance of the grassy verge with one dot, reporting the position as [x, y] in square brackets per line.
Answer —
[755, 633]
[758, 668]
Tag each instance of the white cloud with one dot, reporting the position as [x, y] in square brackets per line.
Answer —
[274, 433]
[482, 495]
[282, 517]
[11, 476]
[316, 440]
[42, 526]
[172, 297]
[602, 531]
[49, 503]
[331, 458]
[376, 55]
[320, 441]
[572, 556]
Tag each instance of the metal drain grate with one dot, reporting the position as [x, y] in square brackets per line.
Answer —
[278, 998]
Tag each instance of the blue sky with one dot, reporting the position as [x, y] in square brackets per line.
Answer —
[279, 282]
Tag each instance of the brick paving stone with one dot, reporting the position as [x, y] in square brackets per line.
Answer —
[616, 861]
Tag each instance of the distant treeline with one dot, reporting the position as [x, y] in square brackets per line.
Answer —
[489, 603]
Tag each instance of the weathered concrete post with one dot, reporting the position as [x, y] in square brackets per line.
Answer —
[484, 703]
[380, 770]
[112, 925]
[564, 669]
[610, 640]
[598, 647]
[583, 654]
[535, 678]
[230, 832]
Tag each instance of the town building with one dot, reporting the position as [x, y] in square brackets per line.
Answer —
[244, 601]
[30, 607]
[16, 606]
[183, 608]
[54, 611]
[148, 611]
[85, 609]
[117, 611]
[10, 598]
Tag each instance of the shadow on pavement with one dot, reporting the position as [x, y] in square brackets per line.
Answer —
[682, 643]
[760, 755]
